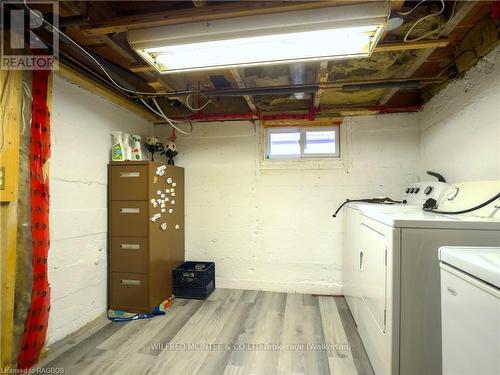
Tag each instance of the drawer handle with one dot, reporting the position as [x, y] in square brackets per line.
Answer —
[130, 174]
[452, 291]
[130, 210]
[130, 246]
[130, 282]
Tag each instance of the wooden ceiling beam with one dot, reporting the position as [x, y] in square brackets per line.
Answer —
[70, 8]
[460, 14]
[199, 3]
[421, 44]
[206, 13]
[322, 79]
[323, 121]
[397, 4]
[100, 10]
[118, 49]
[160, 85]
[241, 84]
[157, 85]
[141, 68]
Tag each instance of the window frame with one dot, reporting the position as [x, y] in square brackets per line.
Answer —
[276, 130]
[302, 130]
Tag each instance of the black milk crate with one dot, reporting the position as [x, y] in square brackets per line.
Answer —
[194, 280]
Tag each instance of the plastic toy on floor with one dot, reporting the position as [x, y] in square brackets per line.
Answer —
[123, 316]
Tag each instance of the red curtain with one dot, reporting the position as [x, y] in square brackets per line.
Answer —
[35, 327]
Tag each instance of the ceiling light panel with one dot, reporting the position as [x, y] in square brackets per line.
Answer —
[328, 33]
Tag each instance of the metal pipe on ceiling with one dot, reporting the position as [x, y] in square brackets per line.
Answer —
[382, 85]
[292, 89]
[308, 88]
[298, 75]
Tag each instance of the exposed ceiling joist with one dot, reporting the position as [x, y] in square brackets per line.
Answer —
[206, 13]
[157, 85]
[397, 4]
[160, 84]
[71, 8]
[241, 84]
[115, 47]
[140, 68]
[460, 14]
[321, 78]
[329, 121]
[365, 110]
[199, 3]
[421, 44]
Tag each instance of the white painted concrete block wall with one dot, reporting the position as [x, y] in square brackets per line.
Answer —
[81, 141]
[461, 125]
[272, 229]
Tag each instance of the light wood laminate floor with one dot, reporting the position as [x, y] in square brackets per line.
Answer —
[232, 332]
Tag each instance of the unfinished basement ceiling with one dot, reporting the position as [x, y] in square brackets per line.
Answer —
[101, 27]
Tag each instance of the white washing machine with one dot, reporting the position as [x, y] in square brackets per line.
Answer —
[470, 310]
[391, 271]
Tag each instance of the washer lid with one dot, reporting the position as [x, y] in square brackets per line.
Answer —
[408, 216]
[480, 262]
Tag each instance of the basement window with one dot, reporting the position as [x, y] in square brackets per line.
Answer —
[303, 142]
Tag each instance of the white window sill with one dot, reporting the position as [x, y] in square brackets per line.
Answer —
[309, 163]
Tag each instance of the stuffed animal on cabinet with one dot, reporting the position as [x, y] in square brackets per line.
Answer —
[170, 152]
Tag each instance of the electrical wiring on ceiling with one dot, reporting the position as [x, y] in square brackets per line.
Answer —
[199, 108]
[412, 9]
[170, 121]
[443, 5]
[149, 107]
[99, 65]
[126, 91]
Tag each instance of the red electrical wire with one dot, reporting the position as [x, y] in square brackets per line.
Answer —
[35, 327]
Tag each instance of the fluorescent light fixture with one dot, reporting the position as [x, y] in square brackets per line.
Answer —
[340, 32]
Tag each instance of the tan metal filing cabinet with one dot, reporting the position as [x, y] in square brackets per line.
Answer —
[146, 233]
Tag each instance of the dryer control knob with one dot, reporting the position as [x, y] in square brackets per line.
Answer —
[428, 190]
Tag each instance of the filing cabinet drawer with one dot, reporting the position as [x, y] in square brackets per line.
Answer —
[129, 254]
[129, 218]
[129, 182]
[129, 290]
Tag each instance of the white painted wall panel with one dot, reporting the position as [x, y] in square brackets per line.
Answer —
[272, 229]
[81, 141]
[461, 125]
